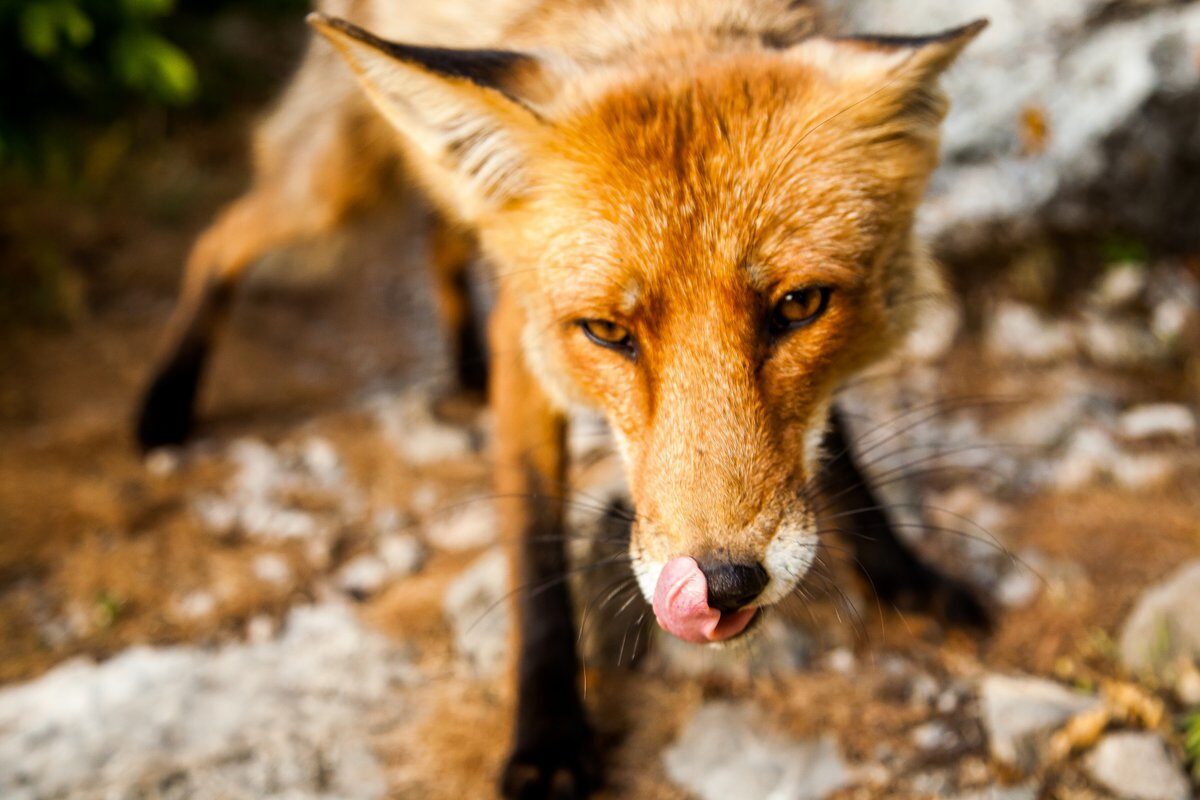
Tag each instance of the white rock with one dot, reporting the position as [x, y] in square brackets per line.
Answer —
[272, 568]
[1164, 624]
[477, 610]
[1158, 420]
[196, 605]
[1170, 318]
[1026, 791]
[1187, 682]
[841, 661]
[404, 554]
[260, 469]
[260, 498]
[1018, 713]
[1137, 766]
[1017, 331]
[264, 519]
[1018, 587]
[726, 751]
[162, 461]
[924, 690]
[219, 515]
[1119, 344]
[1065, 400]
[1088, 458]
[389, 521]
[285, 718]
[464, 525]
[933, 735]
[1121, 285]
[1143, 470]
[415, 433]
[931, 784]
[260, 628]
[322, 462]
[935, 331]
[363, 575]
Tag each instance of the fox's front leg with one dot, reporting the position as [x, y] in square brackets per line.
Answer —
[551, 753]
[888, 563]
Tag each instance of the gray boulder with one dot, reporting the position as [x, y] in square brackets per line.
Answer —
[1137, 766]
[1019, 714]
[1114, 86]
[284, 717]
[1164, 624]
[726, 751]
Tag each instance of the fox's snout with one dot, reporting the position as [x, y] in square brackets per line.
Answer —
[707, 594]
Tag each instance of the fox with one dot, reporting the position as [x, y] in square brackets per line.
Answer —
[700, 218]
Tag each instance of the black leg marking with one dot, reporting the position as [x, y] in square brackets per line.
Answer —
[167, 409]
[553, 751]
[470, 352]
[887, 562]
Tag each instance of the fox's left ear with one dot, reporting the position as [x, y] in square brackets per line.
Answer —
[917, 58]
[900, 71]
[458, 108]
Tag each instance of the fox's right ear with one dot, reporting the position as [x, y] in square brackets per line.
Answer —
[901, 72]
[457, 107]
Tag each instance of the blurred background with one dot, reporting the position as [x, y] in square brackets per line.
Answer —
[306, 601]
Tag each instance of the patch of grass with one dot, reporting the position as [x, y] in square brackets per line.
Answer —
[108, 609]
[1118, 249]
[1191, 742]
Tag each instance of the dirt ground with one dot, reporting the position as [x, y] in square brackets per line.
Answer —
[101, 549]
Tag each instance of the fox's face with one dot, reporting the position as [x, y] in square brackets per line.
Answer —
[704, 251]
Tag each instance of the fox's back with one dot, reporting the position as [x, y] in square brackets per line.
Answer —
[583, 29]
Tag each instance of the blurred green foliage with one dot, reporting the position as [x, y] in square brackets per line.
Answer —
[1191, 742]
[71, 66]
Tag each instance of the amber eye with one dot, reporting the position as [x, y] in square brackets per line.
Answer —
[608, 334]
[799, 308]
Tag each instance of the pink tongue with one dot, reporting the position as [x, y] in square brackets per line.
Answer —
[681, 605]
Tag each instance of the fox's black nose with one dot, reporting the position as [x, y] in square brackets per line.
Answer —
[733, 586]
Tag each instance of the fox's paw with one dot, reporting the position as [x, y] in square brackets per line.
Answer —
[165, 416]
[958, 605]
[566, 769]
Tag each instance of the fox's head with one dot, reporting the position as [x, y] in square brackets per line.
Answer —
[706, 241]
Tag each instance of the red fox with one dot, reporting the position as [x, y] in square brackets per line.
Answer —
[700, 217]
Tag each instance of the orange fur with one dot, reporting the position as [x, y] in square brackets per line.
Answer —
[677, 172]
[661, 174]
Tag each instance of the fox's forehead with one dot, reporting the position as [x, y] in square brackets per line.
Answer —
[736, 177]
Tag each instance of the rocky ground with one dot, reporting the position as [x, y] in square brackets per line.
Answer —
[308, 602]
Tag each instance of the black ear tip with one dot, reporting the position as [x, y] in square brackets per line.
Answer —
[325, 23]
[975, 28]
[963, 33]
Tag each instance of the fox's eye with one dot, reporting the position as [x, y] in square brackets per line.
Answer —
[608, 334]
[799, 308]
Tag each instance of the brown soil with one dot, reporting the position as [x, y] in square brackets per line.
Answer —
[89, 534]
